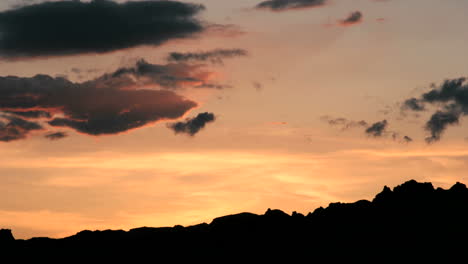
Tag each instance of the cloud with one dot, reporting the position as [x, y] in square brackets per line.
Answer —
[56, 135]
[14, 128]
[214, 56]
[168, 76]
[192, 126]
[439, 121]
[455, 89]
[452, 99]
[413, 104]
[353, 18]
[99, 26]
[283, 5]
[377, 129]
[343, 123]
[110, 104]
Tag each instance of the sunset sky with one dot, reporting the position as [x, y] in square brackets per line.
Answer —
[121, 114]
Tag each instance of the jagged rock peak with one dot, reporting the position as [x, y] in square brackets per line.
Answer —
[6, 236]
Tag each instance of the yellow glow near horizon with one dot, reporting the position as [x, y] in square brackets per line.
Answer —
[164, 189]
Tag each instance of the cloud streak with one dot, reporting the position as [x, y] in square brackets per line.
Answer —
[343, 123]
[99, 26]
[167, 76]
[31, 114]
[56, 135]
[215, 56]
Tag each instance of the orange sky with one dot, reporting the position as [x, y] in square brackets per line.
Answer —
[268, 147]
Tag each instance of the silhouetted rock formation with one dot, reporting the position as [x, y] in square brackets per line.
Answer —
[6, 237]
[412, 222]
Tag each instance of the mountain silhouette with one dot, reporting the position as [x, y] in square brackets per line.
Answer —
[413, 222]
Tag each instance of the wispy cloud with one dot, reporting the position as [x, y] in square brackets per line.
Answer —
[284, 5]
[215, 56]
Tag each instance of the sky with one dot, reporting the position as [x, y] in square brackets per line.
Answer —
[122, 114]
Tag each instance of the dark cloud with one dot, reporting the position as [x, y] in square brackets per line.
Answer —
[214, 56]
[56, 135]
[109, 104]
[452, 99]
[450, 90]
[128, 98]
[353, 18]
[377, 129]
[413, 104]
[73, 27]
[192, 126]
[283, 5]
[343, 123]
[14, 128]
[439, 122]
